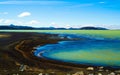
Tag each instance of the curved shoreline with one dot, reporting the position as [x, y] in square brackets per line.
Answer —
[22, 52]
[64, 63]
[40, 51]
[51, 63]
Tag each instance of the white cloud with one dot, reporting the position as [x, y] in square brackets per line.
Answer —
[1, 20]
[11, 21]
[8, 21]
[59, 25]
[85, 25]
[102, 2]
[24, 14]
[53, 24]
[20, 22]
[67, 26]
[33, 22]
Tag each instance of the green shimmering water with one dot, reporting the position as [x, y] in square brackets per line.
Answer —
[104, 57]
[104, 33]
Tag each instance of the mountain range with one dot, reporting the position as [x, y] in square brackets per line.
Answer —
[14, 27]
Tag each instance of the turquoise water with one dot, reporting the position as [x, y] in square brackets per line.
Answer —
[87, 50]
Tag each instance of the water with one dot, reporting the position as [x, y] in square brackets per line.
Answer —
[97, 51]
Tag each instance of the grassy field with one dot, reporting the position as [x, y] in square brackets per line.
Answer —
[92, 33]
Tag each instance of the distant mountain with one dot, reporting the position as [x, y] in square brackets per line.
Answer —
[93, 28]
[14, 27]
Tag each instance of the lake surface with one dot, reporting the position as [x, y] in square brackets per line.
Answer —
[97, 51]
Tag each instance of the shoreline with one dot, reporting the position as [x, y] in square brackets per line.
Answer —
[30, 55]
[19, 48]
[40, 55]
[67, 63]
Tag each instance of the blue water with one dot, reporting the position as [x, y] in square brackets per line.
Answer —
[97, 51]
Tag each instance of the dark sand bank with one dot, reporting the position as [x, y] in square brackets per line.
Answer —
[17, 49]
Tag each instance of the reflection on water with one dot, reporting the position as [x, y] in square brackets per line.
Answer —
[94, 51]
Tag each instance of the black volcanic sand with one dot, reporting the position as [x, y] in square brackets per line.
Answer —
[16, 49]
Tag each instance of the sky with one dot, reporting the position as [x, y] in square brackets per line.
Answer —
[61, 13]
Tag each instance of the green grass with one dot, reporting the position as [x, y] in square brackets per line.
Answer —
[103, 33]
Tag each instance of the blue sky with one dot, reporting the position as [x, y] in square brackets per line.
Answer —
[61, 13]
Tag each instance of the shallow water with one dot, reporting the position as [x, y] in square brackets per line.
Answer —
[97, 51]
